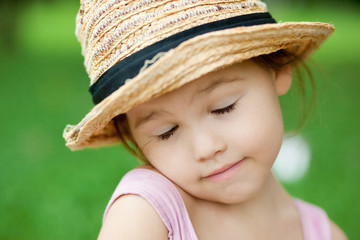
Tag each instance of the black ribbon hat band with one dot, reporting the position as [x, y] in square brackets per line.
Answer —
[130, 66]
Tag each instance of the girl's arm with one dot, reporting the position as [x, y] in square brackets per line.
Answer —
[132, 217]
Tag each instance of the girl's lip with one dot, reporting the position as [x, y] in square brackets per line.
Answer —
[225, 172]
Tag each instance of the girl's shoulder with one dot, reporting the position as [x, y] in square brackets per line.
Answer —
[129, 213]
[132, 217]
[146, 188]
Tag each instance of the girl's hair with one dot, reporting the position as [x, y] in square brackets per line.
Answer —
[123, 130]
[275, 61]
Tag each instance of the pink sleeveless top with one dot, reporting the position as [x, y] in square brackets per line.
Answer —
[167, 201]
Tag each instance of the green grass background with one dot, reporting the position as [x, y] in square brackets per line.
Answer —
[49, 192]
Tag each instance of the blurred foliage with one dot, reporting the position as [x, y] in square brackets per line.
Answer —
[11, 13]
[49, 192]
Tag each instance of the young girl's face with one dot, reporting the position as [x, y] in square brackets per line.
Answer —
[218, 136]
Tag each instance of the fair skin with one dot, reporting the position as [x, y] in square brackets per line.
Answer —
[216, 139]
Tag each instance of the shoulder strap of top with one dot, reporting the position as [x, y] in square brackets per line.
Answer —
[163, 196]
[314, 220]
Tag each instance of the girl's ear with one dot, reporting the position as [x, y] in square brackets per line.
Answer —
[283, 79]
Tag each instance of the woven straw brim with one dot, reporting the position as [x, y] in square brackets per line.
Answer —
[189, 61]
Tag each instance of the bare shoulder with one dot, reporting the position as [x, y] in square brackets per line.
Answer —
[132, 217]
[337, 233]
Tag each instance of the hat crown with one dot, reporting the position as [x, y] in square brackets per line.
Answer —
[109, 31]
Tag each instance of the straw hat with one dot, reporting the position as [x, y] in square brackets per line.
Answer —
[137, 50]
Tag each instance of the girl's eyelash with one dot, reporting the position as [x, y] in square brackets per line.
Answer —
[224, 110]
[168, 134]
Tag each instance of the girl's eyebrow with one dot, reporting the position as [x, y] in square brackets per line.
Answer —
[218, 82]
[147, 117]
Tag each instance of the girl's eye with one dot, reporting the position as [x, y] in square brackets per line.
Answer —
[168, 134]
[224, 110]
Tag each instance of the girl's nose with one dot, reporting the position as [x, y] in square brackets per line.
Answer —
[207, 144]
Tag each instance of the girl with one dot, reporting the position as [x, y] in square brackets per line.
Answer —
[191, 88]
